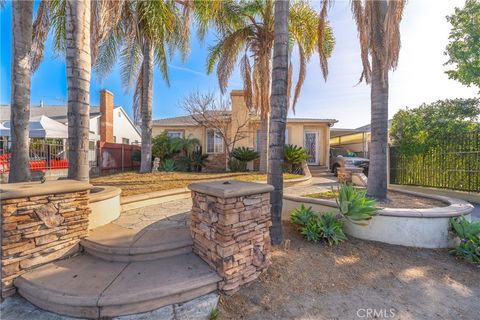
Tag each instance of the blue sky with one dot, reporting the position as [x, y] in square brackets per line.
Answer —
[419, 77]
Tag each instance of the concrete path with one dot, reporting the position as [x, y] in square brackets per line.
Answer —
[319, 184]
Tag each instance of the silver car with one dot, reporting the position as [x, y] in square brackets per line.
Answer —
[341, 157]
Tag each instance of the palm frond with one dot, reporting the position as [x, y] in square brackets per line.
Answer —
[58, 20]
[137, 98]
[322, 22]
[301, 76]
[130, 62]
[40, 30]
[246, 71]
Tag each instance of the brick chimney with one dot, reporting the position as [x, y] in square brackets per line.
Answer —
[106, 117]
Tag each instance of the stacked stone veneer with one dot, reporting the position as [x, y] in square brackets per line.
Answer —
[344, 174]
[216, 162]
[40, 228]
[231, 231]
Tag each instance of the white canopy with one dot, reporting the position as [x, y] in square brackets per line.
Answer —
[41, 127]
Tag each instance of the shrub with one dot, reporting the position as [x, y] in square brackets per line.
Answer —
[293, 157]
[354, 205]
[194, 162]
[163, 147]
[331, 228]
[235, 165]
[469, 234]
[244, 154]
[168, 165]
[301, 216]
[136, 155]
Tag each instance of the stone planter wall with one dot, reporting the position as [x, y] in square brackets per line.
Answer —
[40, 223]
[231, 229]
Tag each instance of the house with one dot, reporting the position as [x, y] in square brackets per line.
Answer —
[312, 134]
[356, 140]
[107, 122]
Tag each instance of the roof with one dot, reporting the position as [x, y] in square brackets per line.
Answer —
[189, 121]
[55, 112]
[367, 127]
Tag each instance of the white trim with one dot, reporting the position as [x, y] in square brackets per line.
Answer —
[317, 146]
[214, 140]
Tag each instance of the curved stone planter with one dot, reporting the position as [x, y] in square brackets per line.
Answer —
[422, 228]
[105, 205]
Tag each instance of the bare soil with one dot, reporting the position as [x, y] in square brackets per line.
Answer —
[133, 183]
[395, 200]
[316, 281]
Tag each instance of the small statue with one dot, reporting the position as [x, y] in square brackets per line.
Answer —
[156, 164]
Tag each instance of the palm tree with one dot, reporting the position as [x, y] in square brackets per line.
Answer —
[378, 24]
[246, 34]
[148, 33]
[278, 117]
[20, 105]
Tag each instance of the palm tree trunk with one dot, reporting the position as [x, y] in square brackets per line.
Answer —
[377, 173]
[20, 106]
[146, 107]
[278, 117]
[78, 87]
[264, 124]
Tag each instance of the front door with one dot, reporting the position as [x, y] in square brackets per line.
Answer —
[311, 145]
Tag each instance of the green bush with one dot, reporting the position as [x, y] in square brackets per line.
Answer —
[244, 154]
[136, 155]
[354, 205]
[235, 165]
[168, 165]
[301, 216]
[469, 234]
[194, 162]
[163, 147]
[293, 157]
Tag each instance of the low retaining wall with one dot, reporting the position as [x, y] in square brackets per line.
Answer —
[152, 198]
[40, 223]
[105, 205]
[422, 228]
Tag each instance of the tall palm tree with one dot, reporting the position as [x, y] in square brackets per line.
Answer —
[20, 106]
[246, 31]
[278, 117]
[378, 24]
[148, 33]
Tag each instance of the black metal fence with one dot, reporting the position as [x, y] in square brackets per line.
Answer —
[454, 164]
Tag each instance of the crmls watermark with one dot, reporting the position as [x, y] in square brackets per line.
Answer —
[373, 313]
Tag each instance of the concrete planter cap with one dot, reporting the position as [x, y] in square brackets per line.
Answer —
[31, 189]
[230, 188]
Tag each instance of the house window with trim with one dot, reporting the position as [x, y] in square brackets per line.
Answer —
[125, 141]
[174, 134]
[214, 141]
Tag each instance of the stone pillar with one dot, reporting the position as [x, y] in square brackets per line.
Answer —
[231, 229]
[344, 174]
[40, 223]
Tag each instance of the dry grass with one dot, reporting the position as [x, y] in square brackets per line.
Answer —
[133, 183]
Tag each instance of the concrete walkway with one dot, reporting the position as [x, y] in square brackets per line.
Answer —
[319, 184]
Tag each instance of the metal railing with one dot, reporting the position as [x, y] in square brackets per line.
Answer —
[454, 164]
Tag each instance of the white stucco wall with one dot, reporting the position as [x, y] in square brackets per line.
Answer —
[122, 127]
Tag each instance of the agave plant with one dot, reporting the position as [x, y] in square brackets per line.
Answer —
[303, 215]
[168, 165]
[331, 228]
[469, 234]
[354, 205]
[311, 231]
[294, 154]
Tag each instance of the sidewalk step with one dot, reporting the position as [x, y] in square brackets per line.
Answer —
[87, 287]
[116, 243]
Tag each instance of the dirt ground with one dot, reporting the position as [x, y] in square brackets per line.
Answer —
[395, 200]
[358, 280]
[133, 183]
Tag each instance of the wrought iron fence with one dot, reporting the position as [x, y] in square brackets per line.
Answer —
[44, 154]
[454, 164]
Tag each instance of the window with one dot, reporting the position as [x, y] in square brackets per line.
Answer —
[175, 134]
[286, 135]
[214, 141]
[114, 139]
[91, 145]
[125, 141]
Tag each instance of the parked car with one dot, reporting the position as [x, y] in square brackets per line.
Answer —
[341, 157]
